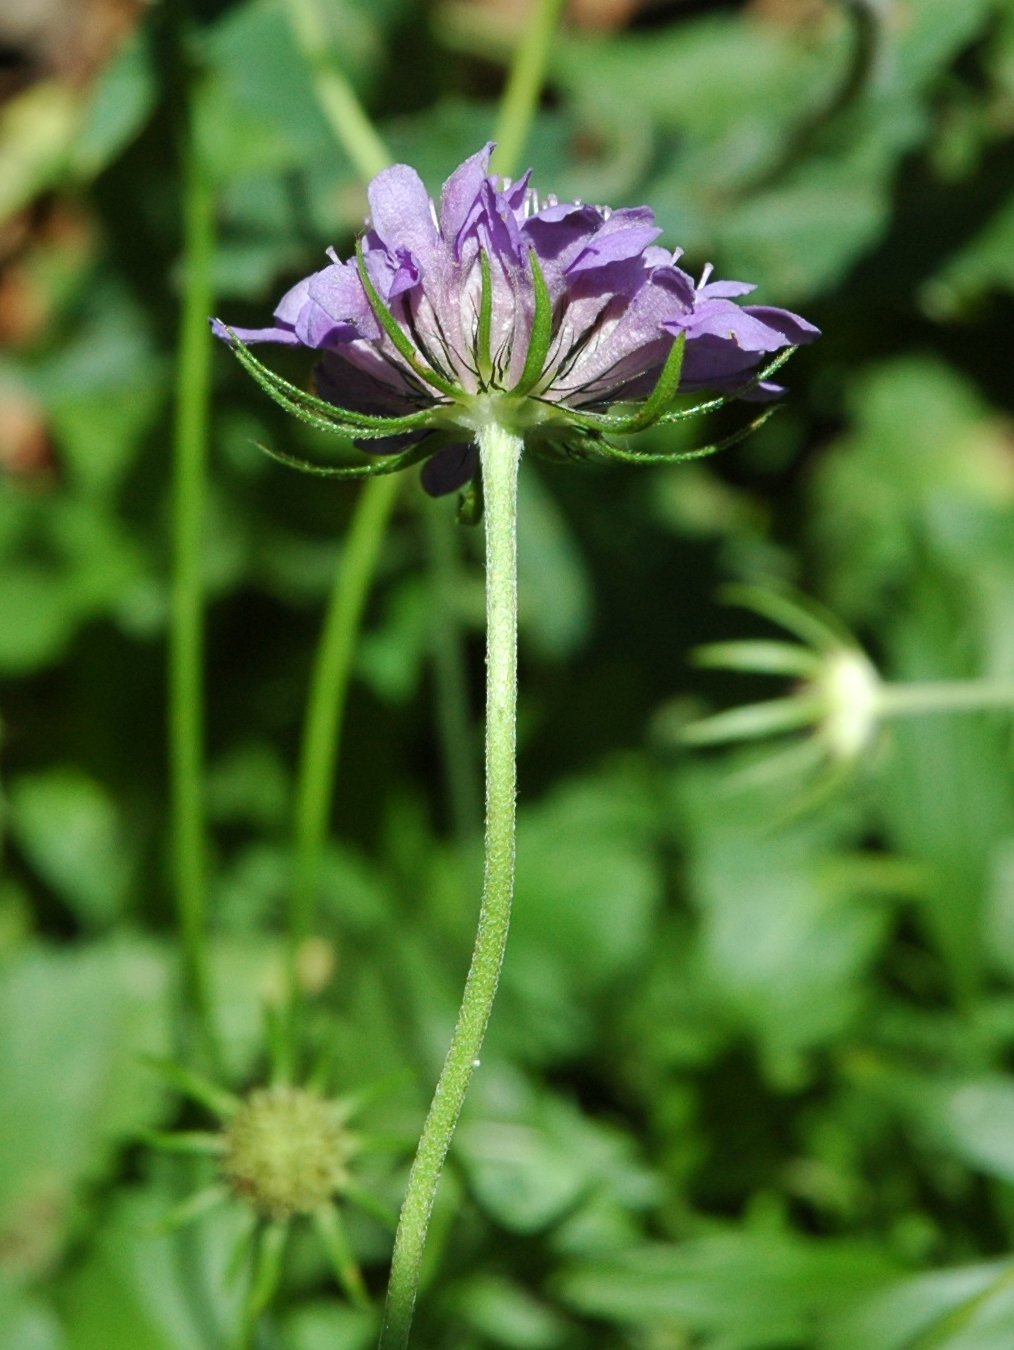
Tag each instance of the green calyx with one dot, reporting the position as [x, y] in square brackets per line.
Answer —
[542, 332]
[452, 414]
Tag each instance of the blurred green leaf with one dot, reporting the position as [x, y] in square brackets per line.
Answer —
[37, 618]
[71, 1099]
[705, 77]
[154, 1292]
[968, 1308]
[983, 265]
[117, 109]
[533, 1159]
[923, 455]
[587, 882]
[750, 1291]
[505, 1314]
[970, 1118]
[328, 1326]
[25, 1322]
[788, 928]
[71, 831]
[37, 128]
[555, 593]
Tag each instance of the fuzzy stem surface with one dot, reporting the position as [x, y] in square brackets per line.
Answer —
[500, 455]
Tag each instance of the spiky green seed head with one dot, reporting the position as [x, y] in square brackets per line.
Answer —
[287, 1151]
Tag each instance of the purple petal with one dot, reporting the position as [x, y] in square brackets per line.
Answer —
[796, 330]
[618, 299]
[287, 309]
[401, 212]
[517, 193]
[724, 290]
[336, 296]
[460, 192]
[625, 234]
[715, 363]
[449, 469]
[723, 319]
[392, 271]
[359, 377]
[679, 285]
[251, 335]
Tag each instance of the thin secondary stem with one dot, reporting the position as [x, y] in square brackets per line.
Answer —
[900, 700]
[325, 709]
[524, 84]
[350, 124]
[500, 454]
[186, 623]
[333, 666]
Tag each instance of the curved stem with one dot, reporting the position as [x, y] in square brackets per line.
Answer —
[500, 454]
[325, 709]
[523, 85]
[186, 621]
[352, 128]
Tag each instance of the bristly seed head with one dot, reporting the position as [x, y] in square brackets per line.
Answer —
[287, 1151]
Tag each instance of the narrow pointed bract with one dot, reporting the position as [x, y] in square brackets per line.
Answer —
[498, 306]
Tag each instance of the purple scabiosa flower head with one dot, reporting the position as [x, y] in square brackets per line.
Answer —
[564, 322]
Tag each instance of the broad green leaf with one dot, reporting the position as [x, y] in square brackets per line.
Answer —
[26, 1323]
[587, 882]
[749, 1291]
[117, 109]
[533, 1159]
[74, 836]
[318, 1325]
[507, 1315]
[964, 1308]
[73, 1026]
[137, 1287]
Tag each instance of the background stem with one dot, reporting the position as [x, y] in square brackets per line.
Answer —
[329, 688]
[186, 635]
[524, 83]
[318, 765]
[352, 127]
[500, 454]
[899, 700]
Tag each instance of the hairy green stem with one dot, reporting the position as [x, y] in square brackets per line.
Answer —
[524, 84]
[186, 621]
[500, 454]
[451, 676]
[329, 687]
